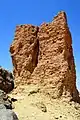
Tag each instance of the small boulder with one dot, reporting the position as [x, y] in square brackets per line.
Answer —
[6, 80]
[4, 99]
[6, 114]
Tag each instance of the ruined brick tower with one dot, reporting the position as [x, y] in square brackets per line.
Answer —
[43, 55]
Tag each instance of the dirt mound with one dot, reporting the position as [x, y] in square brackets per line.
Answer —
[33, 105]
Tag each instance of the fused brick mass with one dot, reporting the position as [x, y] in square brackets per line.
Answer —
[43, 55]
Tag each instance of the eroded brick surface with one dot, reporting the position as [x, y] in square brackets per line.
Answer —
[44, 55]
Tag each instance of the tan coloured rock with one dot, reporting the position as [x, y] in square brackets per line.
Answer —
[43, 55]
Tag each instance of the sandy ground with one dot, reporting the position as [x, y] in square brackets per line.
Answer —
[33, 105]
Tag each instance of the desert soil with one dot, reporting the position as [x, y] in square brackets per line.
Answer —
[33, 105]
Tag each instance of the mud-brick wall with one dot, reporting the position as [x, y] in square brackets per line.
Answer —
[43, 55]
